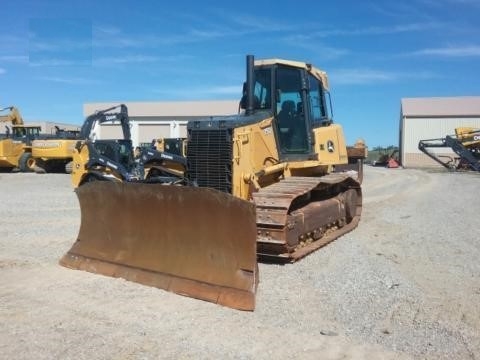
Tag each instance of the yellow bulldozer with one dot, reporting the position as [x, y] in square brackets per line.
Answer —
[272, 183]
[15, 144]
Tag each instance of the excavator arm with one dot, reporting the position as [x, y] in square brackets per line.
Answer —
[467, 147]
[107, 115]
[14, 116]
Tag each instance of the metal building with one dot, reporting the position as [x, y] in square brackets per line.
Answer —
[152, 120]
[431, 118]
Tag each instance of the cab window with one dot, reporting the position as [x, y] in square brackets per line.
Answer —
[316, 98]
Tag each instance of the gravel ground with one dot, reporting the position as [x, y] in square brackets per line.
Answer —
[405, 284]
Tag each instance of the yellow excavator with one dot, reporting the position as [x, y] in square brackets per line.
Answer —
[15, 145]
[272, 183]
[55, 153]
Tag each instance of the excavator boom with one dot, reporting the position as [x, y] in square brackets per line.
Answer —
[465, 143]
[13, 116]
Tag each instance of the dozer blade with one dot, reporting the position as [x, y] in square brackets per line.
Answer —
[192, 241]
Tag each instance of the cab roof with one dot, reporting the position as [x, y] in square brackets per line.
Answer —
[319, 74]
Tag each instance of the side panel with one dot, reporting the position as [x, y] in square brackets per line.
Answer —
[80, 157]
[330, 145]
[254, 148]
[53, 149]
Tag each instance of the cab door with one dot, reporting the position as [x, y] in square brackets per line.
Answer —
[291, 121]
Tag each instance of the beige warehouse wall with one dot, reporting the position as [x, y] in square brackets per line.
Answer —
[416, 129]
[420, 160]
[155, 131]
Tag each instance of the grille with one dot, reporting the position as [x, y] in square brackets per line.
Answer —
[209, 154]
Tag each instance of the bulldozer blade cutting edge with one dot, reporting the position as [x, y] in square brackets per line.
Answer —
[192, 241]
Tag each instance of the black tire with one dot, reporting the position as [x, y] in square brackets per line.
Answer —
[39, 167]
[26, 162]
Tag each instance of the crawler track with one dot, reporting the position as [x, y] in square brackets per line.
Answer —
[301, 214]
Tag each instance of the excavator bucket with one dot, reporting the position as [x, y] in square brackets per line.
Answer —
[192, 241]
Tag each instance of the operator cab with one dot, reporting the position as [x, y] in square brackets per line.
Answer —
[298, 102]
[25, 133]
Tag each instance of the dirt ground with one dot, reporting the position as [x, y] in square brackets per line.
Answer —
[404, 284]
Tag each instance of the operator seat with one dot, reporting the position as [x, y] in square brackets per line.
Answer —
[286, 116]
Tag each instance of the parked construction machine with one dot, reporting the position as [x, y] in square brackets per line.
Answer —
[54, 153]
[115, 159]
[465, 143]
[261, 184]
[387, 158]
[176, 146]
[15, 146]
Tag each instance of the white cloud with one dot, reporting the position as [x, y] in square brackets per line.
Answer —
[121, 60]
[60, 45]
[223, 90]
[233, 91]
[19, 59]
[372, 76]
[379, 30]
[106, 29]
[198, 30]
[325, 52]
[259, 23]
[360, 76]
[401, 10]
[205, 34]
[126, 59]
[13, 43]
[52, 62]
[449, 3]
[465, 51]
[118, 39]
[68, 80]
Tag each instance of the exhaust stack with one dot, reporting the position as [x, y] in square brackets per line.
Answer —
[250, 85]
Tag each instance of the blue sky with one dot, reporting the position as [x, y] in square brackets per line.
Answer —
[57, 55]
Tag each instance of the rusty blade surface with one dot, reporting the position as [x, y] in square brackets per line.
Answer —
[193, 241]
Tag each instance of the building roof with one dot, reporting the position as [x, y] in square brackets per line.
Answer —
[441, 106]
[170, 108]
